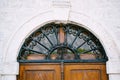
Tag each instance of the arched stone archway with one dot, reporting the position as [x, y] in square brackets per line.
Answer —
[17, 39]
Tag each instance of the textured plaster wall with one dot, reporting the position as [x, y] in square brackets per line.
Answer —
[105, 12]
[16, 13]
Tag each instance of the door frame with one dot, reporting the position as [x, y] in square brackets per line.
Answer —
[16, 40]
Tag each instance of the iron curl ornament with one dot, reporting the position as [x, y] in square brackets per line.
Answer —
[62, 42]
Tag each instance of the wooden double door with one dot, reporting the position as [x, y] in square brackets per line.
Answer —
[62, 71]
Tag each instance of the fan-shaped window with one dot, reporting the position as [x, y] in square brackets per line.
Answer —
[62, 42]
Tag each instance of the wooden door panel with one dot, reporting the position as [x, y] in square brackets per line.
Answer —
[40, 72]
[40, 75]
[85, 72]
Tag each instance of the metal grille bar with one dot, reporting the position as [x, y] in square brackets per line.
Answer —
[50, 42]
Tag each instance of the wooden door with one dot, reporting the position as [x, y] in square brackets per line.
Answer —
[85, 71]
[39, 72]
[71, 71]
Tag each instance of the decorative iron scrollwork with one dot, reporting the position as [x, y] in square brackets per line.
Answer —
[64, 42]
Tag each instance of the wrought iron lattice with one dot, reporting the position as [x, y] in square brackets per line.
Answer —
[62, 42]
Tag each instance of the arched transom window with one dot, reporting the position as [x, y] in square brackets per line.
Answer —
[62, 42]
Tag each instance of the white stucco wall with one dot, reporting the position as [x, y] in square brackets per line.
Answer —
[19, 18]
